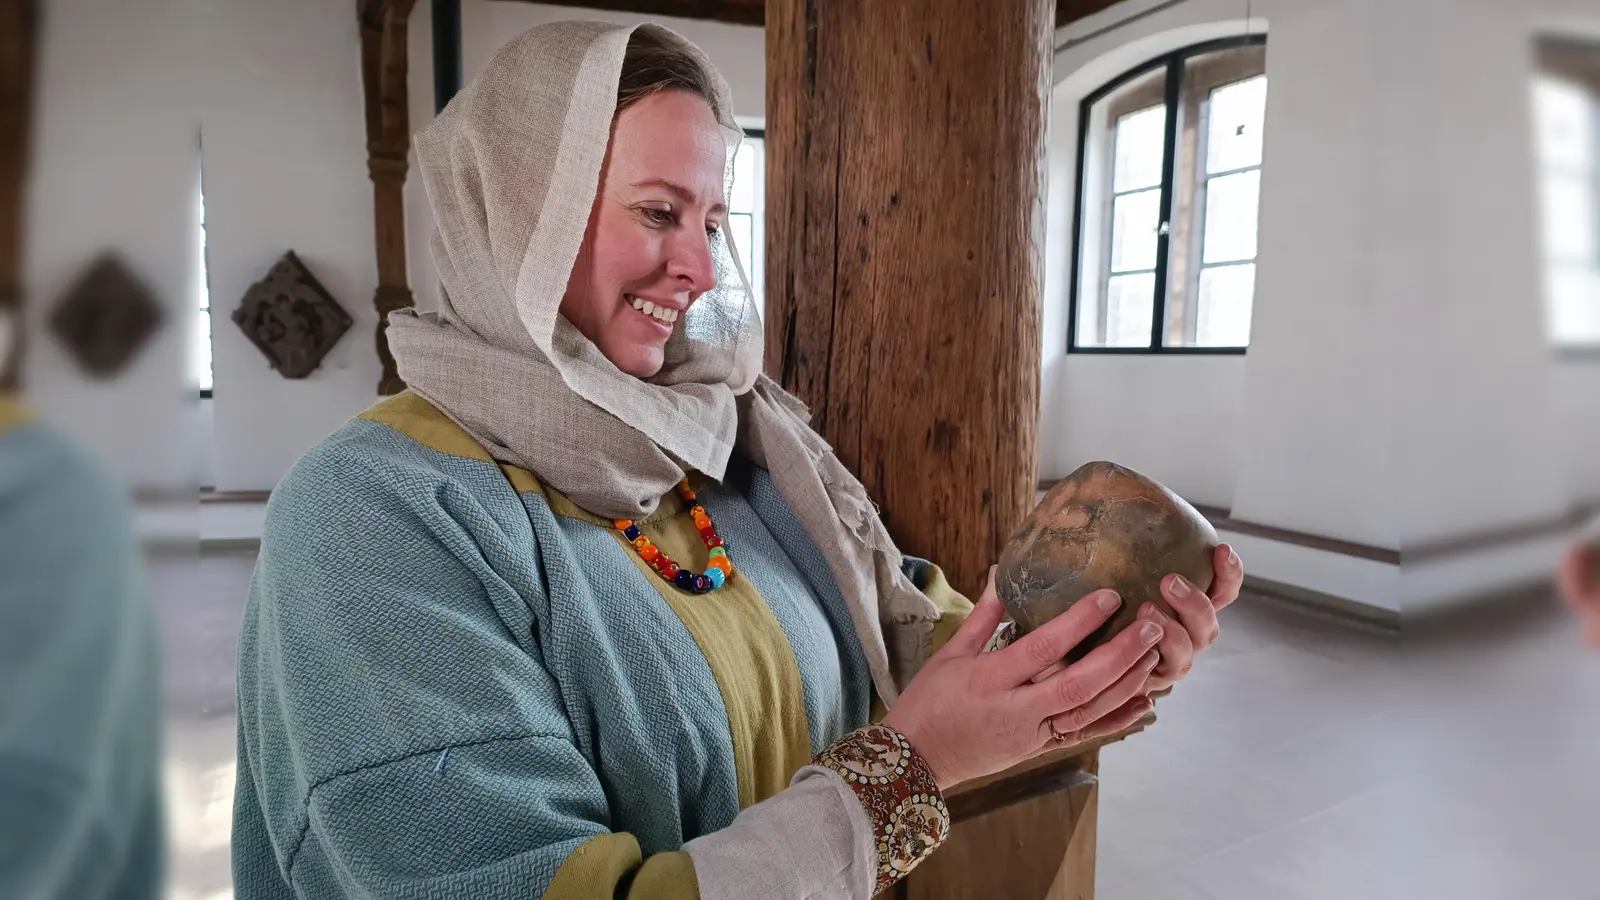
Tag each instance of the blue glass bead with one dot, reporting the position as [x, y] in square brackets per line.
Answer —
[702, 584]
[718, 551]
[716, 577]
[632, 532]
[684, 579]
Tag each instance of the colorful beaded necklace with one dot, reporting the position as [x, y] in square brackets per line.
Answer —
[718, 570]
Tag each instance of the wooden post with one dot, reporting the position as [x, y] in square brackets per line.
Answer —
[905, 161]
[19, 30]
[905, 183]
[383, 79]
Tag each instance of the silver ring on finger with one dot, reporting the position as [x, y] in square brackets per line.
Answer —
[1055, 735]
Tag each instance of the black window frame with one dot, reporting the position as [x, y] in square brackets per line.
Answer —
[1173, 62]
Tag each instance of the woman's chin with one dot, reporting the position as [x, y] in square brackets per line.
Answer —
[640, 360]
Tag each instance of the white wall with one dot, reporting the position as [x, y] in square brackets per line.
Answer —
[286, 168]
[1577, 392]
[113, 163]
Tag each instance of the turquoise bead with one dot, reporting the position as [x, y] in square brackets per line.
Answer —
[716, 577]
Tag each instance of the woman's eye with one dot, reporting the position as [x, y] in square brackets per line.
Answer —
[712, 230]
[658, 216]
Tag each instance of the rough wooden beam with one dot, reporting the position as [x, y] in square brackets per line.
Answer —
[19, 30]
[905, 152]
[733, 12]
[383, 79]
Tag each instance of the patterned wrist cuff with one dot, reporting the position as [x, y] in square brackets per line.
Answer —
[898, 791]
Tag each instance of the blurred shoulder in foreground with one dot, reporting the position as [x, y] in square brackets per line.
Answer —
[80, 715]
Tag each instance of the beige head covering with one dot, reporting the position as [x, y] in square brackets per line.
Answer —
[512, 167]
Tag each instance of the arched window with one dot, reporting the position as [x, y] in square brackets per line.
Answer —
[1169, 178]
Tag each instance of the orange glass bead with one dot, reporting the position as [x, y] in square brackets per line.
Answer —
[721, 562]
[640, 543]
[622, 524]
[649, 552]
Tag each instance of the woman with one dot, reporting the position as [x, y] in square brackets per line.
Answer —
[589, 611]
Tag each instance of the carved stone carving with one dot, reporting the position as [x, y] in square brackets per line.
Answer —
[106, 316]
[291, 318]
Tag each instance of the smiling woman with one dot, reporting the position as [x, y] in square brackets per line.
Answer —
[590, 611]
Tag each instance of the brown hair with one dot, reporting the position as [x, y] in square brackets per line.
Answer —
[651, 65]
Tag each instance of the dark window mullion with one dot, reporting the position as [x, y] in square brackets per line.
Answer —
[1169, 154]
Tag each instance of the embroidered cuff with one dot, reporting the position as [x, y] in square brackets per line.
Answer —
[898, 791]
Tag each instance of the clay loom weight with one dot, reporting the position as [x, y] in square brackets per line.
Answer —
[1103, 526]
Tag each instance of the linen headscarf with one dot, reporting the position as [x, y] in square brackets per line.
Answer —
[512, 167]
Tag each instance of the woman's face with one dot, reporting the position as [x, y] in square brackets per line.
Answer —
[646, 254]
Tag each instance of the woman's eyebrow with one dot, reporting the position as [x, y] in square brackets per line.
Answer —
[681, 192]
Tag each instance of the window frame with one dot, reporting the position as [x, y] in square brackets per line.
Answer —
[1173, 63]
[758, 224]
[1576, 60]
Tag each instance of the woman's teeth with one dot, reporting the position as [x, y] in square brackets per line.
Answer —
[661, 313]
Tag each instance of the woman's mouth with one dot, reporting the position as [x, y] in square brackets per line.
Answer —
[664, 316]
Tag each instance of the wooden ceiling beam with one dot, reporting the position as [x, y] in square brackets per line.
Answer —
[732, 12]
[754, 12]
[1069, 11]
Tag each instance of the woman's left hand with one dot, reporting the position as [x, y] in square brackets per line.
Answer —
[1196, 627]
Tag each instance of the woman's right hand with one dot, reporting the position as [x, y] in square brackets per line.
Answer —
[968, 713]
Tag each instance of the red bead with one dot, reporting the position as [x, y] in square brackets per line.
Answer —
[671, 569]
[713, 541]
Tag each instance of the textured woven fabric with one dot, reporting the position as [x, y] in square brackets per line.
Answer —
[448, 689]
[899, 793]
[511, 169]
[80, 715]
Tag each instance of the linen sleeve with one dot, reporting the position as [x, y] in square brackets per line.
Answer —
[401, 735]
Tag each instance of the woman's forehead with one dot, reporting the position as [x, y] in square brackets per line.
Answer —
[671, 140]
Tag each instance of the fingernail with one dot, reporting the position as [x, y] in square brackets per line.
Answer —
[1180, 586]
[1147, 611]
[1150, 632]
[1233, 558]
[1150, 660]
[1108, 601]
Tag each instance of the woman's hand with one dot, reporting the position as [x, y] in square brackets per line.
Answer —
[1196, 628]
[970, 713]
[1580, 588]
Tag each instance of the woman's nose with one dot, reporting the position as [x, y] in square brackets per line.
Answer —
[690, 262]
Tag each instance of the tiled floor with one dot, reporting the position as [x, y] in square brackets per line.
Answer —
[1305, 758]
